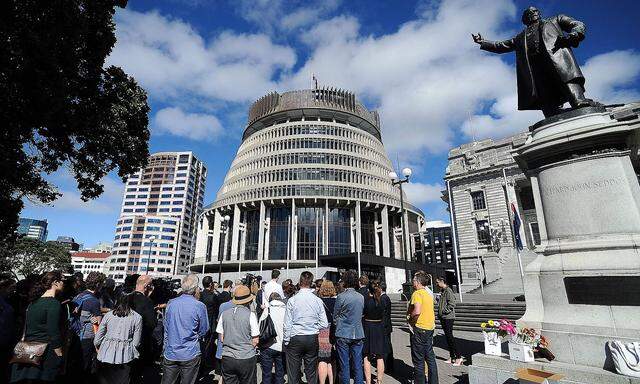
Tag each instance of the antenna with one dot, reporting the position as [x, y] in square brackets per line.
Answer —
[314, 80]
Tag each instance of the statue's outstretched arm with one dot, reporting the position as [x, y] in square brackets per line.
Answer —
[498, 46]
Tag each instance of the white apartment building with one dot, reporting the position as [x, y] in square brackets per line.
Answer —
[155, 233]
[86, 262]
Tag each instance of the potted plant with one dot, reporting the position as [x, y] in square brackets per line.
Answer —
[494, 331]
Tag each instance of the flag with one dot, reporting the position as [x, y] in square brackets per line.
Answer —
[516, 227]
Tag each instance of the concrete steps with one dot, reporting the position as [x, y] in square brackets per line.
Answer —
[469, 316]
[510, 280]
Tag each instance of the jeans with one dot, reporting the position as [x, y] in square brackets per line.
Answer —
[268, 358]
[239, 371]
[350, 351]
[302, 348]
[421, 350]
[186, 370]
[447, 327]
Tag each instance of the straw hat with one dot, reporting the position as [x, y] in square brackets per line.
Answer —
[242, 295]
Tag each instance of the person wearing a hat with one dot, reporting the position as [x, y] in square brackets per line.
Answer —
[238, 329]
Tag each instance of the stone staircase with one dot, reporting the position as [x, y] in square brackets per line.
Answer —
[469, 315]
[509, 280]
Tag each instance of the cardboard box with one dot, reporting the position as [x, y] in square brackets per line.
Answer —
[492, 344]
[533, 376]
[520, 352]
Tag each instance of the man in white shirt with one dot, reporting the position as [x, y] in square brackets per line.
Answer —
[238, 329]
[271, 287]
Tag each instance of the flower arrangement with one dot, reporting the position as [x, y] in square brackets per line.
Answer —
[502, 327]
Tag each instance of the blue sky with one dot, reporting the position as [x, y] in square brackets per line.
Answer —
[203, 62]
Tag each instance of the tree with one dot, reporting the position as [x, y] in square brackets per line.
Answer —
[31, 256]
[59, 105]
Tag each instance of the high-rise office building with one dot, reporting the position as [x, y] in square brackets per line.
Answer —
[33, 228]
[69, 243]
[155, 233]
[309, 186]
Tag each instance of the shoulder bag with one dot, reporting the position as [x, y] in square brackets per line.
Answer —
[28, 352]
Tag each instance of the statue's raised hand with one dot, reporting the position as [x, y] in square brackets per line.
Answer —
[477, 38]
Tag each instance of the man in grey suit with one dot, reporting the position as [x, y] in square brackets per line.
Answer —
[548, 73]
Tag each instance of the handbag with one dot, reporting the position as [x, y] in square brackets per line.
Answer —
[268, 332]
[28, 352]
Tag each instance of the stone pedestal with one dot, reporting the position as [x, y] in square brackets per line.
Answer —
[584, 287]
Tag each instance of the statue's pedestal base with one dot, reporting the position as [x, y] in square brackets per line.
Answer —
[488, 369]
[584, 288]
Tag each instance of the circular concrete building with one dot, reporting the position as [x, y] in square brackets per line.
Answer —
[309, 184]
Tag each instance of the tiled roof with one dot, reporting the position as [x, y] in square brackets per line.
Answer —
[91, 255]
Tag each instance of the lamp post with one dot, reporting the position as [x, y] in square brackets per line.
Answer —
[151, 240]
[223, 229]
[395, 180]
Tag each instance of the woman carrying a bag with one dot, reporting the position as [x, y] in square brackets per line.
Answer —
[117, 340]
[42, 333]
[272, 354]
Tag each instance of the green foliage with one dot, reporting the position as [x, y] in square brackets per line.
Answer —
[31, 256]
[59, 105]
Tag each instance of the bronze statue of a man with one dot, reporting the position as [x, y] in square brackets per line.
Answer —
[548, 73]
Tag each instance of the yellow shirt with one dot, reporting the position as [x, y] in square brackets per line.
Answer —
[427, 319]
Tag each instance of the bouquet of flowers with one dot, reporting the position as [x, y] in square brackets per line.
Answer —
[535, 339]
[502, 328]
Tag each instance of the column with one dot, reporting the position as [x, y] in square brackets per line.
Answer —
[261, 229]
[294, 231]
[215, 245]
[235, 231]
[202, 239]
[352, 228]
[375, 232]
[358, 228]
[386, 251]
[267, 233]
[325, 229]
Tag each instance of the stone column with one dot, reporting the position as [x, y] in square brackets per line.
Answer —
[352, 228]
[325, 229]
[358, 228]
[267, 233]
[294, 231]
[261, 228]
[235, 231]
[375, 230]
[386, 251]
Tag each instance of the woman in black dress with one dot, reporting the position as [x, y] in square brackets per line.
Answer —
[43, 324]
[375, 348]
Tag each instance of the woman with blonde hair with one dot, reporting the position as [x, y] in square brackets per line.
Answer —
[327, 294]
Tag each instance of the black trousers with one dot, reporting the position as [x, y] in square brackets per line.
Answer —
[239, 371]
[114, 373]
[187, 371]
[447, 327]
[389, 360]
[302, 349]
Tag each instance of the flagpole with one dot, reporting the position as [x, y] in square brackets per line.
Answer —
[455, 240]
[513, 233]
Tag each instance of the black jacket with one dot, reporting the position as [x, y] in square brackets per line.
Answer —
[144, 307]
[386, 320]
[560, 60]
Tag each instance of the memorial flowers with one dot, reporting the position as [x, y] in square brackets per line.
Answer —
[494, 332]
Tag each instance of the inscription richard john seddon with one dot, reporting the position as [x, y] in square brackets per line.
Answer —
[583, 186]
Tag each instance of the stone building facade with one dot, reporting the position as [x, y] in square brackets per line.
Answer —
[309, 184]
[475, 177]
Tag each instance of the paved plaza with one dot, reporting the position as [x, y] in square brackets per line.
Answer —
[468, 344]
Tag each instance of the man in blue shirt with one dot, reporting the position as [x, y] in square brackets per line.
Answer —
[303, 319]
[347, 316]
[185, 322]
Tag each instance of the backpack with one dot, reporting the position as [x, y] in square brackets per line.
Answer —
[75, 322]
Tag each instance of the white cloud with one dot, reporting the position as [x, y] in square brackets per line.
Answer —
[195, 126]
[274, 16]
[420, 193]
[108, 203]
[173, 62]
[608, 75]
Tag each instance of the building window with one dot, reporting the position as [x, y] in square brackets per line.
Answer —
[309, 232]
[482, 230]
[477, 197]
[279, 233]
[535, 233]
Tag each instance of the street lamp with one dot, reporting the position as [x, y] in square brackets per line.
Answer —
[151, 240]
[395, 180]
[223, 229]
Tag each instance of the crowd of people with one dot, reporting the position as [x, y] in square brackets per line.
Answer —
[90, 330]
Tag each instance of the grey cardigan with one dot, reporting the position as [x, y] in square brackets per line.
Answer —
[118, 338]
[447, 304]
